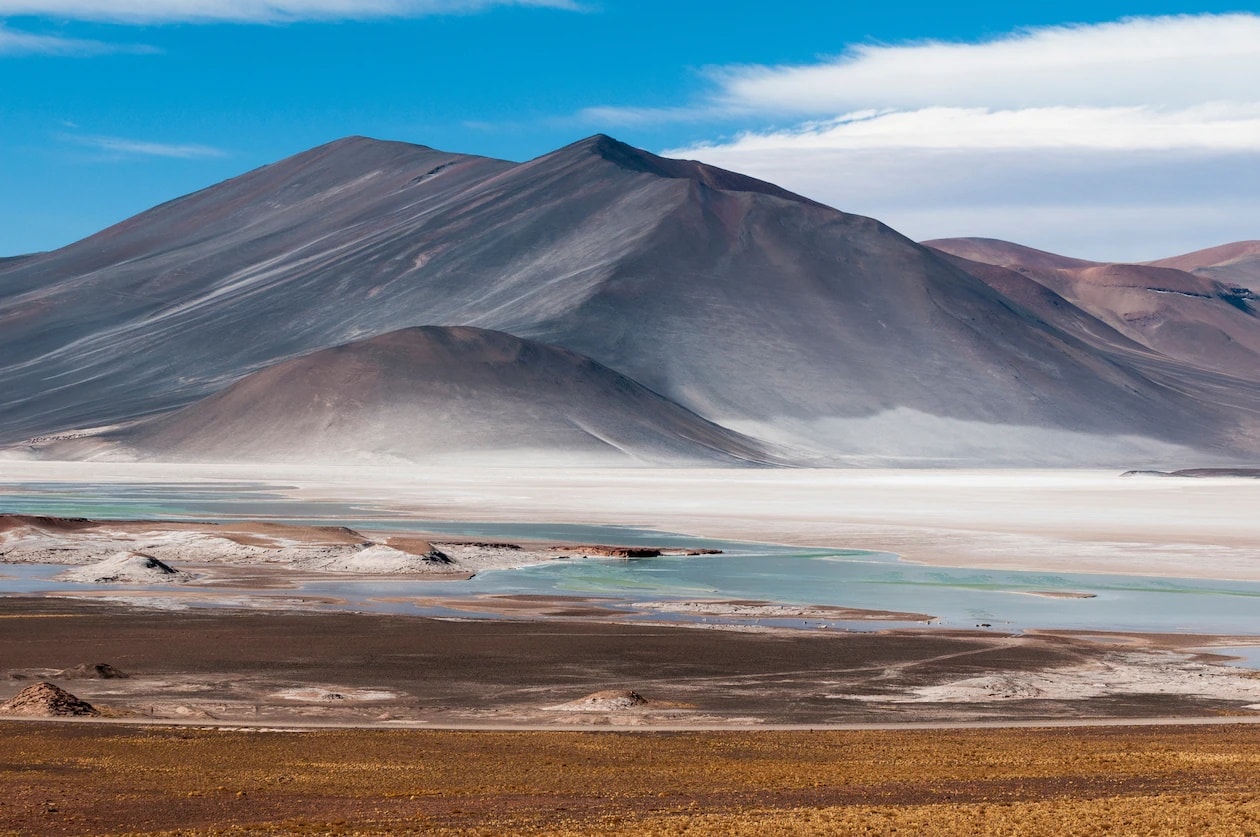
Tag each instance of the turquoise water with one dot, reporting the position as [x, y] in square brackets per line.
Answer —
[160, 501]
[1001, 600]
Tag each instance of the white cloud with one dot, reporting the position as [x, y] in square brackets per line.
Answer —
[1090, 203]
[14, 42]
[1106, 141]
[252, 11]
[1225, 127]
[143, 148]
[1180, 61]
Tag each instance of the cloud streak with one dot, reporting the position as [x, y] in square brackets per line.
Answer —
[144, 148]
[15, 42]
[254, 11]
[1218, 126]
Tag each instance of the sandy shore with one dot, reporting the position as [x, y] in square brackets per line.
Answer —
[1060, 521]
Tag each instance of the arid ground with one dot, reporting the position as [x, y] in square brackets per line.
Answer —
[554, 715]
[226, 666]
[72, 779]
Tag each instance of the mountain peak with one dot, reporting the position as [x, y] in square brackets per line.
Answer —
[358, 142]
[634, 159]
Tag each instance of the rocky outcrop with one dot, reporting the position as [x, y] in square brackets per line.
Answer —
[46, 700]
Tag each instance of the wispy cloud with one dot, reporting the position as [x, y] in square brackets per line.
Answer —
[144, 148]
[1024, 133]
[615, 115]
[15, 42]
[254, 11]
[1218, 126]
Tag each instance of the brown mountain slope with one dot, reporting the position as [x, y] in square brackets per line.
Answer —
[1190, 318]
[1237, 263]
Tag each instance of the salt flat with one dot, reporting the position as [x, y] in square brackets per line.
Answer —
[1052, 520]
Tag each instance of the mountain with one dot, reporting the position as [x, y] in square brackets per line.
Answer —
[1236, 264]
[1194, 318]
[431, 394]
[1007, 254]
[826, 334]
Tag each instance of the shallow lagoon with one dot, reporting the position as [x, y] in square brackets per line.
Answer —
[1002, 600]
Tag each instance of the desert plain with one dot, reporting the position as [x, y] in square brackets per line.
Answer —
[561, 714]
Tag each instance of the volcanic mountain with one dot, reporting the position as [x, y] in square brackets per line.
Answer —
[754, 308]
[434, 394]
[1196, 309]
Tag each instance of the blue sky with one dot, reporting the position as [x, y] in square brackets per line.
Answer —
[1105, 129]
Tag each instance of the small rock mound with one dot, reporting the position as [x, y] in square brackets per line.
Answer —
[381, 559]
[608, 700]
[44, 700]
[93, 671]
[126, 568]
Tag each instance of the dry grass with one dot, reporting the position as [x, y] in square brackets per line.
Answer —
[95, 779]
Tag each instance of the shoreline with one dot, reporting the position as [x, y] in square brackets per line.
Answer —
[1089, 522]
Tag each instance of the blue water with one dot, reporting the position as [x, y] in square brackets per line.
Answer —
[1248, 655]
[969, 598]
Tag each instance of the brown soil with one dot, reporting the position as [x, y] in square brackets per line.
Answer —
[15, 522]
[91, 779]
[415, 546]
[93, 671]
[232, 664]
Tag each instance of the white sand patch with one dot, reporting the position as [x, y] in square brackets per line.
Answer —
[769, 610]
[338, 551]
[378, 559]
[127, 568]
[1154, 673]
[333, 694]
[180, 546]
[152, 602]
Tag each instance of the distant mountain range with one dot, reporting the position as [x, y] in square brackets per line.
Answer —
[384, 302]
